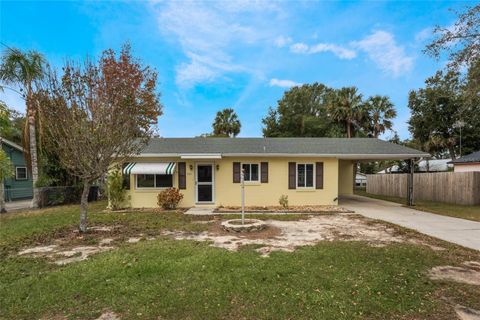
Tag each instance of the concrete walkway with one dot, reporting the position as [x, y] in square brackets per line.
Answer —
[459, 231]
[200, 211]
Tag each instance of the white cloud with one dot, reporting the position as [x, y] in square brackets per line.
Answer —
[282, 41]
[299, 48]
[209, 33]
[383, 50]
[204, 68]
[341, 52]
[424, 34]
[283, 83]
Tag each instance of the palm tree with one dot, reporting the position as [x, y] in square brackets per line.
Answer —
[24, 69]
[226, 123]
[346, 107]
[380, 112]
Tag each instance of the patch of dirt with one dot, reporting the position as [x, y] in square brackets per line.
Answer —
[156, 210]
[468, 273]
[269, 232]
[39, 250]
[102, 228]
[133, 240]
[287, 235]
[279, 209]
[424, 243]
[74, 247]
[63, 255]
[106, 241]
[80, 253]
[108, 316]
[465, 313]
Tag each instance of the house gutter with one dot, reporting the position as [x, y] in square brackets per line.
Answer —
[340, 156]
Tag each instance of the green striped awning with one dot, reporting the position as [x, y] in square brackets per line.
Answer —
[149, 168]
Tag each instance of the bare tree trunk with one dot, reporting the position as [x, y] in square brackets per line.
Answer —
[349, 132]
[451, 150]
[3, 209]
[33, 155]
[84, 206]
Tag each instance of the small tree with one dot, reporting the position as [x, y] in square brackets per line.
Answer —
[6, 171]
[98, 115]
[116, 189]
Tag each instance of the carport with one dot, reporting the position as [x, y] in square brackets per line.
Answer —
[347, 164]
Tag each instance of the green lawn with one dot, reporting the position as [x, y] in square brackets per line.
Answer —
[168, 279]
[446, 209]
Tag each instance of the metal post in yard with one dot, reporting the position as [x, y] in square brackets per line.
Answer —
[242, 183]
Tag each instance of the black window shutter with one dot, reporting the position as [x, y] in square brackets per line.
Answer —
[236, 172]
[319, 175]
[264, 172]
[292, 175]
[182, 175]
[126, 177]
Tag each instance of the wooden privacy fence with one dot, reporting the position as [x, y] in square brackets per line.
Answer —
[450, 187]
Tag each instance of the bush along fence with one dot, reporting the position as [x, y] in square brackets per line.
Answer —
[52, 196]
[449, 187]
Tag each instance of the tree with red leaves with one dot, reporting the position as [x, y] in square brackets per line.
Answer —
[97, 115]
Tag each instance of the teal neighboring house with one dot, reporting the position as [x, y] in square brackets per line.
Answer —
[20, 186]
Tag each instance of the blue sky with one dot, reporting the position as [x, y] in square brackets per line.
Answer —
[244, 54]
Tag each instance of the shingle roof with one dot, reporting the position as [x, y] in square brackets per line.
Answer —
[472, 157]
[279, 146]
[11, 144]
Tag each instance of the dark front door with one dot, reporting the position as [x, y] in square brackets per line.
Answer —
[204, 183]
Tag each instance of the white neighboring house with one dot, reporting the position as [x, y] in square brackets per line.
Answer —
[361, 180]
[470, 162]
[434, 165]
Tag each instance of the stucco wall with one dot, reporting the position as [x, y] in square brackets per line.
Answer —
[345, 177]
[228, 193]
[466, 167]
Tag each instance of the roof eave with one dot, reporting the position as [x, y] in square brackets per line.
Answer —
[341, 156]
[12, 144]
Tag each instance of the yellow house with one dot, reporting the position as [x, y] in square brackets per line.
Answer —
[207, 171]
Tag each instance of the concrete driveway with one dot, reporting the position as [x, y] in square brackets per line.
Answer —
[459, 231]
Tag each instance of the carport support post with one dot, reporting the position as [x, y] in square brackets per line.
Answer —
[411, 166]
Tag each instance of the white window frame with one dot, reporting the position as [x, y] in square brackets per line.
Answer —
[258, 173]
[154, 183]
[16, 173]
[197, 183]
[313, 172]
